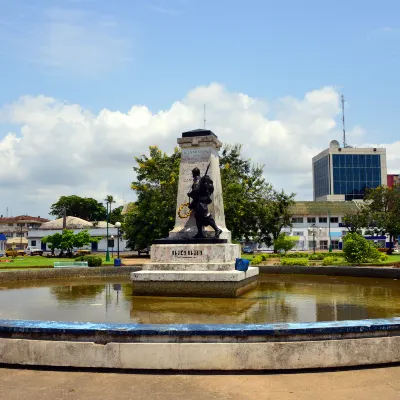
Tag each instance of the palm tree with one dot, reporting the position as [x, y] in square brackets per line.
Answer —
[109, 200]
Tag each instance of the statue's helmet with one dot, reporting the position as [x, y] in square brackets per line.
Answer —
[195, 172]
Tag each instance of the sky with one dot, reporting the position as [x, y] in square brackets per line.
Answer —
[88, 85]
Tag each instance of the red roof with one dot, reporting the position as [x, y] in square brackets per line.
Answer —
[21, 218]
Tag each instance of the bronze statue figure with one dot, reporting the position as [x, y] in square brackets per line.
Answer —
[202, 189]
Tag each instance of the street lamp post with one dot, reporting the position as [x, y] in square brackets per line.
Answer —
[107, 253]
[20, 235]
[314, 229]
[118, 226]
[112, 248]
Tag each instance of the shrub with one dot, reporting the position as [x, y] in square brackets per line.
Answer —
[264, 257]
[316, 256]
[383, 250]
[297, 255]
[291, 261]
[383, 257]
[284, 243]
[256, 260]
[93, 261]
[328, 261]
[358, 250]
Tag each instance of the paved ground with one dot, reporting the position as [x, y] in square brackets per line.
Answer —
[359, 384]
[135, 261]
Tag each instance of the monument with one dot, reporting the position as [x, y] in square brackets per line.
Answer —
[198, 258]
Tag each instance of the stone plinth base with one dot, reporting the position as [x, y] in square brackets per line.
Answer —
[194, 283]
[195, 253]
[229, 266]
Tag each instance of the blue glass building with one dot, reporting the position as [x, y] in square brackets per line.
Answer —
[345, 173]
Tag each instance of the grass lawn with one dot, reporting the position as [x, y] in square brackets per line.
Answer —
[38, 262]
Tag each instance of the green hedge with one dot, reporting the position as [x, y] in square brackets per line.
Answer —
[291, 261]
[93, 261]
[257, 260]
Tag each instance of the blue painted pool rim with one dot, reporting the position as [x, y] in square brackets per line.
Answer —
[8, 327]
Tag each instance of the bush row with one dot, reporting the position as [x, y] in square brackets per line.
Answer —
[291, 261]
[316, 256]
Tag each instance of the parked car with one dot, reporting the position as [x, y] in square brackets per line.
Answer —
[33, 251]
[146, 250]
[83, 252]
[248, 250]
[14, 252]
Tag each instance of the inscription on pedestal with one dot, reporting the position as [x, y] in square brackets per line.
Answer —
[186, 253]
[193, 158]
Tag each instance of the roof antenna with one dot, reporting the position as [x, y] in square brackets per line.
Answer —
[344, 128]
[205, 116]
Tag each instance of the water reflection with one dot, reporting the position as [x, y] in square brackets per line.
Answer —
[276, 299]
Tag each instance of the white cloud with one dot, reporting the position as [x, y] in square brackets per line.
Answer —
[63, 149]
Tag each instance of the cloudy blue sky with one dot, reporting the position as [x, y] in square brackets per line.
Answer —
[87, 85]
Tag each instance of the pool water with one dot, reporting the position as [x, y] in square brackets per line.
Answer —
[278, 298]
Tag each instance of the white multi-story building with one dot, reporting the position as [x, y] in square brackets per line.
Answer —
[319, 224]
[343, 173]
[95, 229]
[16, 229]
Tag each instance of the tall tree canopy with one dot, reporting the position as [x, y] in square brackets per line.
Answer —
[253, 209]
[86, 208]
[383, 208]
[156, 187]
[116, 215]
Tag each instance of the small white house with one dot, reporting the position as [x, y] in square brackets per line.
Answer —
[95, 229]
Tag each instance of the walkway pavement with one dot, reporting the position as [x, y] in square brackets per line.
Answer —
[358, 384]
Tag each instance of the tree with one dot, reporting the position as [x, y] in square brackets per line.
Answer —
[68, 240]
[383, 208]
[86, 208]
[283, 242]
[156, 187]
[357, 249]
[273, 214]
[109, 200]
[244, 188]
[355, 222]
[116, 215]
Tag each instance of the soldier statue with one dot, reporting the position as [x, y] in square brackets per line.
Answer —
[201, 192]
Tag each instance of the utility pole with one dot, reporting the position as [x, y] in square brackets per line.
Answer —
[343, 124]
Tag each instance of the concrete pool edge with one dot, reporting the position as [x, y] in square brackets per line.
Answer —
[336, 270]
[65, 273]
[200, 347]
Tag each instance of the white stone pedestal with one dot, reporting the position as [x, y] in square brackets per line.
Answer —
[182, 266]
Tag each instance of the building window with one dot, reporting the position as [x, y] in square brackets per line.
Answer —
[353, 173]
[323, 245]
[334, 220]
[10, 224]
[33, 243]
[323, 220]
[9, 234]
[297, 220]
[111, 243]
[311, 220]
[312, 244]
[321, 177]
[335, 244]
[21, 225]
[299, 233]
